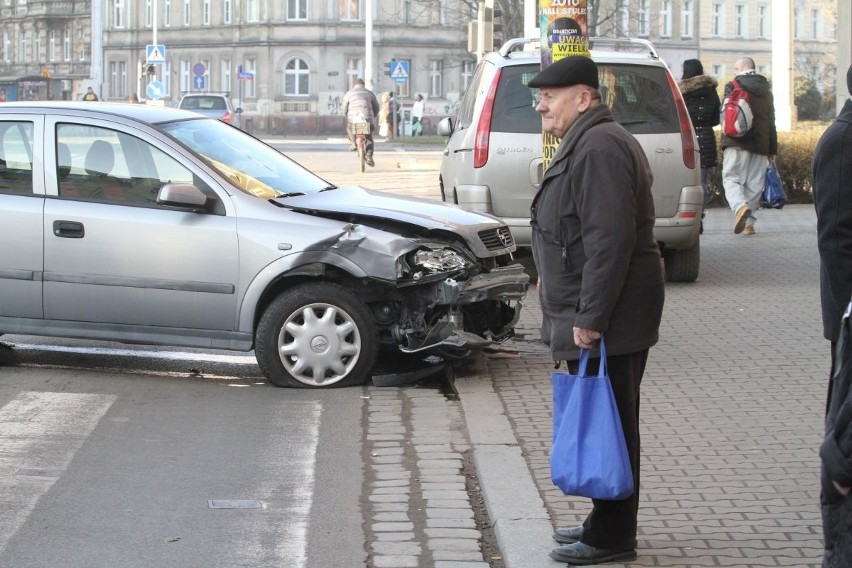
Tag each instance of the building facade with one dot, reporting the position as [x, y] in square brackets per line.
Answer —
[287, 64]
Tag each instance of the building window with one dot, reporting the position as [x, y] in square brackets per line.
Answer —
[350, 10]
[686, 18]
[7, 46]
[796, 22]
[643, 24]
[205, 12]
[406, 12]
[666, 18]
[22, 47]
[51, 46]
[36, 46]
[227, 9]
[187, 12]
[225, 76]
[717, 24]
[740, 20]
[762, 21]
[251, 67]
[66, 45]
[253, 10]
[297, 9]
[466, 74]
[167, 13]
[117, 79]
[814, 24]
[718, 70]
[436, 78]
[184, 76]
[118, 14]
[297, 77]
[166, 79]
[354, 70]
[623, 20]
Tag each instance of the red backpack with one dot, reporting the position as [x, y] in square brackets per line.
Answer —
[737, 118]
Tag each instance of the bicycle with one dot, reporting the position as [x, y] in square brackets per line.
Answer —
[361, 129]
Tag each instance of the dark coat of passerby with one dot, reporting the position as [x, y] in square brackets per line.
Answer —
[704, 107]
[600, 273]
[360, 105]
[832, 188]
[746, 159]
[90, 95]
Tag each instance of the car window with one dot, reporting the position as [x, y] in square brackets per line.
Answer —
[514, 105]
[106, 165]
[16, 157]
[473, 92]
[640, 97]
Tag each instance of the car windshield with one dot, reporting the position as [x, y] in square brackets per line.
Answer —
[248, 163]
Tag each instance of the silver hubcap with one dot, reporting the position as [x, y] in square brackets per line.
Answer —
[319, 344]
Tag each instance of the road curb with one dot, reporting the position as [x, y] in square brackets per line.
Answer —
[515, 507]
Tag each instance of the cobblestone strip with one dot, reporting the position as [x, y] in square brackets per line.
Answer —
[417, 508]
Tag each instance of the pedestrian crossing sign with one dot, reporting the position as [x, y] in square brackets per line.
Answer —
[399, 71]
[155, 54]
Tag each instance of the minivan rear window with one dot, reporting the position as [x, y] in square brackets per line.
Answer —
[640, 98]
[514, 105]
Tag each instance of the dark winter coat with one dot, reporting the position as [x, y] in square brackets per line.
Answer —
[836, 455]
[832, 170]
[763, 138]
[702, 103]
[593, 240]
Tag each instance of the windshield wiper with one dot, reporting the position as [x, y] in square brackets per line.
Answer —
[329, 188]
[293, 194]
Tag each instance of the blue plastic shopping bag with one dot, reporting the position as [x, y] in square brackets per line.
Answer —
[589, 456]
[773, 196]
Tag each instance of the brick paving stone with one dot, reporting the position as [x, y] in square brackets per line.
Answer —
[460, 564]
[396, 562]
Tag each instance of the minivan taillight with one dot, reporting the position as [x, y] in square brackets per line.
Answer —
[686, 138]
[483, 127]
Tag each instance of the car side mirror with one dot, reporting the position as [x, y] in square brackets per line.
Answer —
[238, 110]
[182, 195]
[445, 127]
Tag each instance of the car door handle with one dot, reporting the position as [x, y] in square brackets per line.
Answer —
[68, 229]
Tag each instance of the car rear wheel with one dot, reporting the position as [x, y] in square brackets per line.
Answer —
[682, 265]
[316, 335]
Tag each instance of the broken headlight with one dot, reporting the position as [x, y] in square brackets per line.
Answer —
[424, 262]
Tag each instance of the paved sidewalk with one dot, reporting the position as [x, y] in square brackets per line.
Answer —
[732, 411]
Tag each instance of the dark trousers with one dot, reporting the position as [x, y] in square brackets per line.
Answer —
[368, 139]
[612, 523]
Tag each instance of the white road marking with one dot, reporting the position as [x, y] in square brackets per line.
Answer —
[40, 430]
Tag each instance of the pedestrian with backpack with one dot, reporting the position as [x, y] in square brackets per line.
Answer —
[749, 142]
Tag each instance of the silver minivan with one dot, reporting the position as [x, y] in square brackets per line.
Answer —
[493, 158]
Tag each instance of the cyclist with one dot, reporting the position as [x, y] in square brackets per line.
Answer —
[360, 104]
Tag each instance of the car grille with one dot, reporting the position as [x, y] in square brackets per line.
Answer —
[498, 238]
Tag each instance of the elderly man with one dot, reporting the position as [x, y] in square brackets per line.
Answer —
[600, 272]
[360, 105]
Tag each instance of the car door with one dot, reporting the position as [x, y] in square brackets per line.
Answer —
[21, 205]
[113, 255]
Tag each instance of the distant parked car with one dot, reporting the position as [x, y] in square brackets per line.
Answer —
[214, 106]
[493, 158]
[154, 225]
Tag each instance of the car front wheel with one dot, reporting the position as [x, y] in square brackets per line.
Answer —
[316, 335]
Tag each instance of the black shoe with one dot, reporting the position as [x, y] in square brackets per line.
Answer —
[579, 554]
[568, 535]
[370, 162]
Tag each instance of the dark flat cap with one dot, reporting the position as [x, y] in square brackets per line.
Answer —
[572, 70]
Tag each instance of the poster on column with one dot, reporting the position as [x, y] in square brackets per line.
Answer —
[563, 32]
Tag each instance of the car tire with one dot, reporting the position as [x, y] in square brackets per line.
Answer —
[683, 265]
[317, 335]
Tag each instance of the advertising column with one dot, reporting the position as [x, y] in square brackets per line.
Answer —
[563, 32]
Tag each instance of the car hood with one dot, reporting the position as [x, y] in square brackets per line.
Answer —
[484, 234]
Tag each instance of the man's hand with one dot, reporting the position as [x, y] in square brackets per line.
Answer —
[585, 338]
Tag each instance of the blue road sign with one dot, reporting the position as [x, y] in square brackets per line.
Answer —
[199, 69]
[155, 53]
[155, 90]
[199, 83]
[399, 71]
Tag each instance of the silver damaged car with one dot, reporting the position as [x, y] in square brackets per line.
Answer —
[151, 225]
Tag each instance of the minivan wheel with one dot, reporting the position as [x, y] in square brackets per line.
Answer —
[316, 335]
[682, 265]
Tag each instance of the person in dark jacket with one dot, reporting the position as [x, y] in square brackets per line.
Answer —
[832, 188]
[600, 272]
[702, 103]
[746, 159]
[361, 105]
